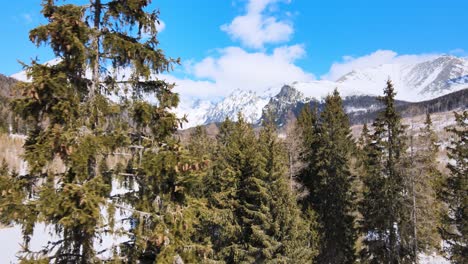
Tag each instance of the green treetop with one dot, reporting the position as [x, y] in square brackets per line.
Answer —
[385, 220]
[104, 48]
[332, 196]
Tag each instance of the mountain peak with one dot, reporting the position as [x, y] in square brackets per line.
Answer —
[289, 93]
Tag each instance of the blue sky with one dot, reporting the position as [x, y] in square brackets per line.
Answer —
[235, 43]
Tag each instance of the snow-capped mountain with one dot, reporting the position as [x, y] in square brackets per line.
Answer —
[195, 111]
[413, 82]
[247, 102]
[279, 105]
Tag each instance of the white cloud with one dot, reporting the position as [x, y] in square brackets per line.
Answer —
[379, 57]
[289, 53]
[193, 88]
[256, 28]
[232, 68]
[236, 68]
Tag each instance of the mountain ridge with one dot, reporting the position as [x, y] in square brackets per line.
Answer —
[414, 82]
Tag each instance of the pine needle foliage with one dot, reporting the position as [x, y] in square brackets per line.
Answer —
[328, 178]
[255, 215]
[454, 193]
[386, 223]
[104, 49]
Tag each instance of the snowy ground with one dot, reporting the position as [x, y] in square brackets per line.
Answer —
[11, 237]
[432, 259]
[10, 244]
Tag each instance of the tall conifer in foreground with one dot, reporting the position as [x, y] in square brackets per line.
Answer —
[386, 219]
[327, 177]
[454, 193]
[242, 197]
[103, 48]
[332, 197]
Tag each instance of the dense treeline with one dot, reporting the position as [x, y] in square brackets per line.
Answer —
[245, 196]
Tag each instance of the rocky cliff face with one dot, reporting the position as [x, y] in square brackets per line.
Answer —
[281, 106]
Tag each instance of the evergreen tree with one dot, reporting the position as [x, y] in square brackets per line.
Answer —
[297, 235]
[220, 189]
[385, 220]
[425, 177]
[234, 185]
[255, 216]
[454, 193]
[73, 119]
[361, 165]
[307, 129]
[329, 181]
[336, 198]
[364, 138]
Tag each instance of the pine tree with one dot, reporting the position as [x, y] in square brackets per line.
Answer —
[73, 119]
[425, 177]
[233, 178]
[454, 193]
[255, 216]
[330, 183]
[297, 235]
[385, 220]
[307, 129]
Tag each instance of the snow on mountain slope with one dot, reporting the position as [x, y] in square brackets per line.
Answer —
[320, 89]
[195, 111]
[247, 102]
[413, 82]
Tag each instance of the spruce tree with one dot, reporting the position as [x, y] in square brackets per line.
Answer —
[307, 129]
[103, 48]
[330, 181]
[385, 220]
[454, 193]
[425, 177]
[296, 234]
[231, 182]
[337, 199]
[255, 217]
